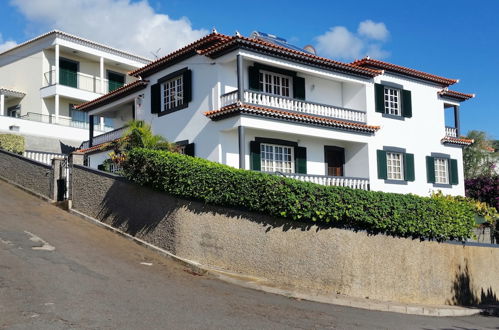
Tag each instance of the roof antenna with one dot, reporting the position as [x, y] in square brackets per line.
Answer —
[214, 30]
[238, 34]
[155, 54]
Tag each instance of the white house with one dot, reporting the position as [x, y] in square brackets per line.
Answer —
[260, 103]
[41, 79]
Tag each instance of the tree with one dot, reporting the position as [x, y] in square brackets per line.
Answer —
[480, 157]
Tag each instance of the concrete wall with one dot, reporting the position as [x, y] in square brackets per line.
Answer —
[27, 173]
[293, 255]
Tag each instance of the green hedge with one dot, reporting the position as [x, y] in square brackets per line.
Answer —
[377, 212]
[13, 143]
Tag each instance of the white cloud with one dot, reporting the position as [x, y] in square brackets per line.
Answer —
[7, 44]
[340, 43]
[372, 30]
[127, 25]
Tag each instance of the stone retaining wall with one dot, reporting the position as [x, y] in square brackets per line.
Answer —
[32, 175]
[292, 255]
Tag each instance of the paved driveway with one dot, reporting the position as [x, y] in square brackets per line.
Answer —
[60, 272]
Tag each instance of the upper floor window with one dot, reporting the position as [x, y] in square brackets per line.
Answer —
[395, 166]
[276, 158]
[392, 101]
[172, 92]
[441, 170]
[275, 83]
[115, 80]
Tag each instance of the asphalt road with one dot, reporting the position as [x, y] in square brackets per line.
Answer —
[58, 271]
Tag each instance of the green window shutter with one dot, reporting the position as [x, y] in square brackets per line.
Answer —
[382, 168]
[379, 97]
[155, 98]
[299, 88]
[409, 167]
[254, 78]
[430, 169]
[453, 171]
[187, 77]
[406, 104]
[255, 156]
[301, 160]
[189, 149]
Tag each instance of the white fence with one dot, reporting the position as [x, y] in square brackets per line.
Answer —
[356, 183]
[258, 98]
[42, 157]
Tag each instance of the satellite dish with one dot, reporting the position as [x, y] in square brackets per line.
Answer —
[310, 49]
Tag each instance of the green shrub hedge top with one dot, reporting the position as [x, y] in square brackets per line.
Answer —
[13, 143]
[377, 212]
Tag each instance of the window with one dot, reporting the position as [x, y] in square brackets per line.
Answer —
[392, 101]
[441, 170]
[172, 92]
[274, 83]
[276, 158]
[394, 162]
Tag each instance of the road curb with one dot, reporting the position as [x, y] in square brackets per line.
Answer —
[261, 284]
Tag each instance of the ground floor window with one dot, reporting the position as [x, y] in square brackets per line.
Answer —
[441, 170]
[395, 166]
[276, 158]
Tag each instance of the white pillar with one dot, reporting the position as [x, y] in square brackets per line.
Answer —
[102, 85]
[2, 105]
[56, 73]
[56, 118]
[102, 124]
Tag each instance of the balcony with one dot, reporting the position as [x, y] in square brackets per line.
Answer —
[62, 120]
[340, 181]
[80, 81]
[285, 103]
[451, 132]
[106, 137]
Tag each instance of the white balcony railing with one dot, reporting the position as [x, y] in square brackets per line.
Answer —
[62, 120]
[273, 101]
[451, 131]
[106, 137]
[341, 181]
[78, 80]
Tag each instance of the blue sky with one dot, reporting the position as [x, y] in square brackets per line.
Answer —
[458, 39]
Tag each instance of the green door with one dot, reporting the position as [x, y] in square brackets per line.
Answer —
[116, 80]
[68, 73]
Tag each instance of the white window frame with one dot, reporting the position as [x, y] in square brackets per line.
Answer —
[276, 165]
[441, 170]
[392, 101]
[172, 93]
[395, 171]
[275, 86]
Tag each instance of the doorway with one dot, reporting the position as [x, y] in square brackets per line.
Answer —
[334, 158]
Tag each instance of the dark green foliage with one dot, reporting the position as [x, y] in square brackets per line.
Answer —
[394, 214]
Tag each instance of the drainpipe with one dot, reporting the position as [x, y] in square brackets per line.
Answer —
[242, 152]
[240, 79]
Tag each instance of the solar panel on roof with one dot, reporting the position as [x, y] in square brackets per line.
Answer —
[273, 39]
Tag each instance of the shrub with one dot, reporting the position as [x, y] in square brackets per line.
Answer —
[13, 143]
[484, 189]
[436, 218]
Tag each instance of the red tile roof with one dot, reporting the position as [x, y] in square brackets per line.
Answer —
[455, 95]
[99, 147]
[240, 41]
[190, 49]
[236, 109]
[459, 141]
[113, 96]
[368, 62]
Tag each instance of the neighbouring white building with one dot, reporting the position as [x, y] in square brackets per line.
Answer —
[259, 103]
[41, 79]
